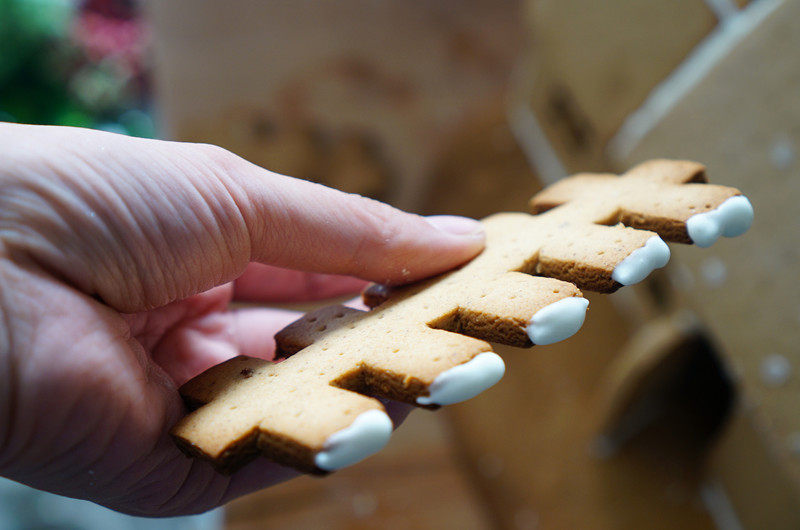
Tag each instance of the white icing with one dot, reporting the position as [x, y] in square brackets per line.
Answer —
[557, 321]
[641, 262]
[465, 381]
[730, 219]
[365, 436]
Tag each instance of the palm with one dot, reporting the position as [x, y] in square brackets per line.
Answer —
[105, 397]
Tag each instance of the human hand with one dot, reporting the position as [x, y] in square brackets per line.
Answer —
[118, 259]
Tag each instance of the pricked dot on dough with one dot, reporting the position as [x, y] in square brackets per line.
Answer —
[322, 328]
[312, 319]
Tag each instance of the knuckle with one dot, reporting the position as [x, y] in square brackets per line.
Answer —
[213, 155]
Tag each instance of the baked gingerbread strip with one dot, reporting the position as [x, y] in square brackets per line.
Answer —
[427, 344]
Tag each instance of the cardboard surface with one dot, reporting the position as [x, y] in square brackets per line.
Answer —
[743, 121]
[592, 63]
[290, 85]
[531, 442]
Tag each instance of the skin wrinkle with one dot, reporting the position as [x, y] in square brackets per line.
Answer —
[71, 468]
[34, 201]
[146, 481]
[197, 492]
[159, 215]
[77, 163]
[179, 486]
[102, 199]
[209, 226]
[262, 221]
[8, 417]
[7, 453]
[216, 487]
[213, 199]
[210, 223]
[150, 278]
[95, 373]
[237, 250]
[155, 239]
[145, 472]
[66, 418]
[27, 437]
[155, 472]
[107, 442]
[141, 473]
[160, 243]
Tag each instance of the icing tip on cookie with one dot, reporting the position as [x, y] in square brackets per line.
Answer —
[730, 219]
[557, 321]
[367, 435]
[641, 262]
[465, 381]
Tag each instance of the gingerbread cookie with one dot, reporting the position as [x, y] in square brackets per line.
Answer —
[425, 343]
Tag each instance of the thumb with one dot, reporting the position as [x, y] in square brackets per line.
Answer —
[302, 225]
[140, 223]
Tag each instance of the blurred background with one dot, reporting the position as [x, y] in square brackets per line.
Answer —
[676, 406]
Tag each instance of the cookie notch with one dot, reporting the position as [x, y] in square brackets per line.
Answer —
[424, 344]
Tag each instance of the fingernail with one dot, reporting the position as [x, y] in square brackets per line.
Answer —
[459, 226]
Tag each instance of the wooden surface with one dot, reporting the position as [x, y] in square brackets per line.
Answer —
[415, 482]
[743, 121]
